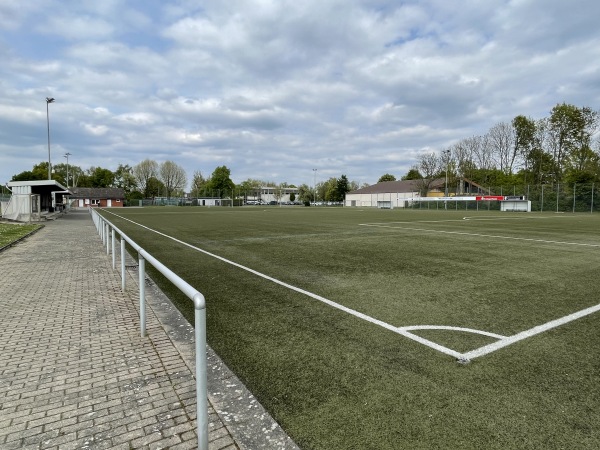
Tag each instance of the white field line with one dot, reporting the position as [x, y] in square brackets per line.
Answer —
[486, 349]
[463, 233]
[445, 327]
[470, 218]
[404, 331]
[331, 303]
[513, 218]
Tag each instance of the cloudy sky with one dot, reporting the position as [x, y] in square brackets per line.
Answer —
[275, 88]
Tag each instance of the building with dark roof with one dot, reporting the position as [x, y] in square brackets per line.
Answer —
[102, 197]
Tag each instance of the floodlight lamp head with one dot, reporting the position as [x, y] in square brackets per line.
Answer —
[49, 100]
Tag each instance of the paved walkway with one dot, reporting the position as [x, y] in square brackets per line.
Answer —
[75, 373]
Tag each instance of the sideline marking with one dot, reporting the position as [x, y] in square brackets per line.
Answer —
[481, 351]
[398, 330]
[404, 331]
[463, 233]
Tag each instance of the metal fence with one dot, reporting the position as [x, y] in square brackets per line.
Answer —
[555, 197]
[109, 234]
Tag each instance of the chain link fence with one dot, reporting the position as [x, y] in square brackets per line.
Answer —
[555, 197]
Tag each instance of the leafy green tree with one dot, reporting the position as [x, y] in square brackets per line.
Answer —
[386, 177]
[494, 178]
[124, 179]
[155, 188]
[135, 195]
[305, 194]
[341, 188]
[583, 166]
[571, 130]
[540, 166]
[83, 180]
[27, 175]
[524, 138]
[251, 187]
[220, 181]
[412, 174]
[199, 183]
[59, 173]
[326, 190]
[40, 172]
[75, 175]
[100, 177]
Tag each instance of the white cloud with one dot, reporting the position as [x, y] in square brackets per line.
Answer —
[74, 27]
[96, 130]
[276, 88]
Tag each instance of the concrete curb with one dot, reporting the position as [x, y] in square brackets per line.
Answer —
[250, 425]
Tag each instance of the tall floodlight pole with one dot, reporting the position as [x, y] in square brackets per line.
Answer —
[315, 186]
[447, 158]
[66, 155]
[48, 101]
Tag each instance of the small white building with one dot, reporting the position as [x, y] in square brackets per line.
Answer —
[267, 194]
[401, 194]
[387, 194]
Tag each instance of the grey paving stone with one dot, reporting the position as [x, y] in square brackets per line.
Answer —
[75, 372]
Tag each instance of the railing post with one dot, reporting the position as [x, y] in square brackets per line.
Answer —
[201, 383]
[199, 309]
[142, 275]
[107, 234]
[114, 256]
[122, 264]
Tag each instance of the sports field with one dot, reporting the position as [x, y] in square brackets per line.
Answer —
[393, 329]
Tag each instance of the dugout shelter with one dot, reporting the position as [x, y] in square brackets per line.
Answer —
[34, 200]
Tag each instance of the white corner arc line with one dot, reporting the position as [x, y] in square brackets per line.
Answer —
[450, 328]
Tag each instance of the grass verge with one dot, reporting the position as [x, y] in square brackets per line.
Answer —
[10, 233]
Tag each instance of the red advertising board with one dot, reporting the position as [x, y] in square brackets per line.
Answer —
[490, 197]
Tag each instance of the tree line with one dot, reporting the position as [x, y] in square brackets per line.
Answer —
[149, 179]
[559, 148]
[563, 148]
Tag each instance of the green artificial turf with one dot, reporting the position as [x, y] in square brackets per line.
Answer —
[335, 381]
[10, 233]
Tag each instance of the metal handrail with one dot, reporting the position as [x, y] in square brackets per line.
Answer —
[108, 232]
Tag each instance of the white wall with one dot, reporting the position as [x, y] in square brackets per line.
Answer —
[397, 199]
